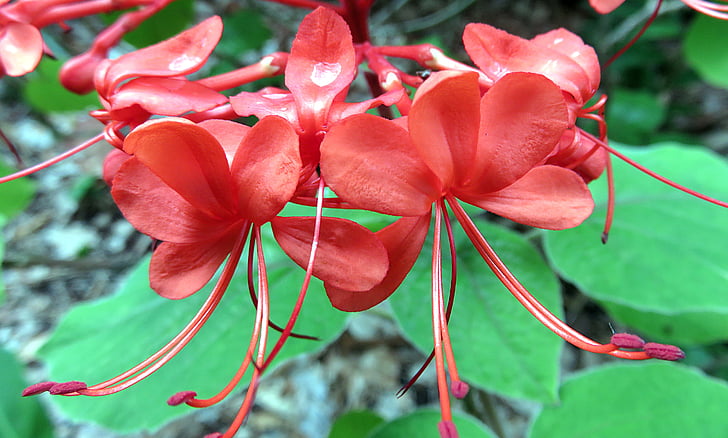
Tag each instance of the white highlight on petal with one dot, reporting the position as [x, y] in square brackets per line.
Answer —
[324, 73]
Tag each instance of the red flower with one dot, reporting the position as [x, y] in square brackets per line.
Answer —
[320, 68]
[485, 151]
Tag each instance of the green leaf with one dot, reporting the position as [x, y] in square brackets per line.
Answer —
[20, 417]
[98, 340]
[423, 424]
[646, 400]
[355, 424]
[14, 195]
[633, 115]
[704, 49]
[173, 19]
[45, 93]
[498, 345]
[663, 270]
[244, 31]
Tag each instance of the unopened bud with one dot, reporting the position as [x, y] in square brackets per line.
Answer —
[627, 340]
[67, 387]
[663, 351]
[77, 74]
[181, 397]
[37, 388]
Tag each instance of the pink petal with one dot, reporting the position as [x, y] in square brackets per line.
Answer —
[498, 53]
[572, 46]
[546, 197]
[266, 169]
[349, 256]
[158, 211]
[179, 270]
[443, 123]
[21, 47]
[522, 118]
[230, 134]
[166, 96]
[605, 6]
[321, 65]
[180, 55]
[369, 162]
[189, 160]
[112, 162]
[403, 240]
[267, 102]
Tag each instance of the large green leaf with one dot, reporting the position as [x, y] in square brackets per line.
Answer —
[96, 341]
[423, 424]
[664, 268]
[646, 400]
[498, 344]
[19, 417]
[705, 49]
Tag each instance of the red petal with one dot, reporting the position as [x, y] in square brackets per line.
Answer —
[266, 169]
[349, 256]
[498, 53]
[166, 96]
[403, 240]
[443, 122]
[546, 197]
[21, 47]
[180, 55]
[321, 65]
[179, 270]
[605, 6]
[267, 102]
[158, 211]
[189, 160]
[522, 118]
[342, 110]
[230, 134]
[369, 162]
[570, 45]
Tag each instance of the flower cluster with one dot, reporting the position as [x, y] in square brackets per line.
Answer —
[500, 135]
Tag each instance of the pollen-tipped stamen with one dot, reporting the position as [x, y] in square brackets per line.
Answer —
[163, 355]
[545, 316]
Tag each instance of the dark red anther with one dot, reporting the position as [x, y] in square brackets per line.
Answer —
[214, 435]
[627, 340]
[459, 389]
[447, 429]
[37, 388]
[67, 387]
[181, 397]
[663, 351]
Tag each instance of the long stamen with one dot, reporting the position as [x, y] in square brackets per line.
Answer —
[52, 161]
[306, 280]
[254, 338]
[653, 174]
[634, 39]
[527, 300]
[262, 317]
[163, 355]
[254, 298]
[437, 324]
